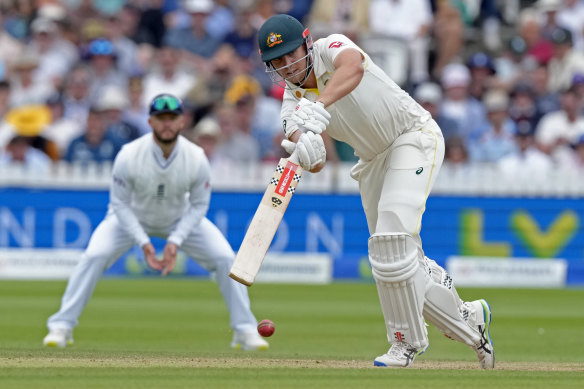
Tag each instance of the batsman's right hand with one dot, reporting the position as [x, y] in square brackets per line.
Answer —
[311, 116]
[310, 150]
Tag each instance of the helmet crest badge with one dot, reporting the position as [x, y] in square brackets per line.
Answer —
[274, 39]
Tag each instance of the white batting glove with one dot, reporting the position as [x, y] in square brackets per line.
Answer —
[311, 116]
[310, 150]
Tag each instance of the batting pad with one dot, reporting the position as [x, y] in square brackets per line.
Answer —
[442, 307]
[400, 284]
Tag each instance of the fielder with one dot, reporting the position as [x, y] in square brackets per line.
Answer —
[400, 149]
[160, 187]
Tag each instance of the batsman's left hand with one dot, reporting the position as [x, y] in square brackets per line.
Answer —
[311, 116]
[169, 258]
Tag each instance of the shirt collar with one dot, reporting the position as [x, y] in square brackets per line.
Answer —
[158, 155]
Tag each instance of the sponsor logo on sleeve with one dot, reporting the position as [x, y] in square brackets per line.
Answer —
[336, 45]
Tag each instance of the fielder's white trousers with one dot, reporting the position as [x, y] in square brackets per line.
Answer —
[110, 241]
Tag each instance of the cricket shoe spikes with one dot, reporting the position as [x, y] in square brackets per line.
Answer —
[249, 341]
[59, 337]
[400, 354]
[478, 315]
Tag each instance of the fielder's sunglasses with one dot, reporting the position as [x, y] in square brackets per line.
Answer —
[166, 104]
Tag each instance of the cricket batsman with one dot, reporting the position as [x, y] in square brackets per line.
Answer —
[333, 85]
[160, 187]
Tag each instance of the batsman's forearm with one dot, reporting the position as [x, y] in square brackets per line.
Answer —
[343, 81]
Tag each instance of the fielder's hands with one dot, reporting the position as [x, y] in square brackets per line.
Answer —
[168, 257]
[309, 148]
[311, 116]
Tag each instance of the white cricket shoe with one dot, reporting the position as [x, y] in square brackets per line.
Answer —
[478, 315]
[249, 341]
[400, 354]
[59, 337]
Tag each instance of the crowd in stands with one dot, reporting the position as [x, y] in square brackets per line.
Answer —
[503, 79]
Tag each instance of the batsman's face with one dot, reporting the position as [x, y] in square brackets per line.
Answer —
[292, 66]
[166, 127]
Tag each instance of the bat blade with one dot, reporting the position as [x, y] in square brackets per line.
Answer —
[266, 220]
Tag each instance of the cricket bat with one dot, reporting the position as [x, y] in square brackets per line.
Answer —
[266, 220]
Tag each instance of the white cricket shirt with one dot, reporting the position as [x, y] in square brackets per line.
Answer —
[150, 192]
[369, 118]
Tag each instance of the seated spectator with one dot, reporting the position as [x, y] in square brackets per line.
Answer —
[29, 121]
[350, 18]
[112, 104]
[244, 34]
[556, 130]
[207, 134]
[238, 146]
[482, 74]
[494, 140]
[24, 89]
[429, 96]
[565, 63]
[95, 145]
[456, 155]
[137, 112]
[61, 130]
[19, 151]
[545, 100]
[76, 98]
[527, 160]
[577, 162]
[523, 109]
[102, 67]
[458, 105]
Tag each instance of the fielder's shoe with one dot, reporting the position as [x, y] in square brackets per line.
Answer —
[59, 337]
[400, 354]
[249, 341]
[478, 315]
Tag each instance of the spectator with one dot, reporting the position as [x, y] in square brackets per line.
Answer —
[169, 75]
[137, 112]
[207, 134]
[456, 154]
[409, 20]
[243, 35]
[556, 130]
[112, 103]
[566, 62]
[61, 130]
[195, 39]
[577, 160]
[523, 109]
[570, 15]
[126, 49]
[492, 141]
[102, 67]
[95, 145]
[429, 95]
[347, 17]
[537, 45]
[238, 146]
[20, 152]
[527, 160]
[448, 32]
[466, 111]
[4, 97]
[24, 89]
[10, 48]
[546, 101]
[76, 96]
[482, 74]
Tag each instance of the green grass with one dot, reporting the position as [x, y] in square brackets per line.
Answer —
[163, 333]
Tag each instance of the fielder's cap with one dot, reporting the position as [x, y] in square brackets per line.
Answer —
[166, 103]
[112, 97]
[280, 35]
[198, 6]
[496, 100]
[428, 92]
[455, 75]
[560, 36]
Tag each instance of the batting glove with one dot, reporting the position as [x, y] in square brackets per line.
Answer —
[310, 150]
[311, 116]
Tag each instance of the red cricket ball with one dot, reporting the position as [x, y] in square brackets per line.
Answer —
[266, 328]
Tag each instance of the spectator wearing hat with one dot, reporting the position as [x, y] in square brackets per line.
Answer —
[169, 75]
[526, 160]
[20, 152]
[556, 130]
[566, 62]
[482, 74]
[522, 108]
[103, 70]
[96, 144]
[61, 130]
[537, 46]
[112, 104]
[207, 135]
[56, 55]
[195, 39]
[570, 15]
[466, 111]
[494, 140]
[125, 48]
[24, 89]
[429, 95]
[29, 121]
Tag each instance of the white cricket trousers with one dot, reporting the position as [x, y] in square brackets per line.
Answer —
[110, 241]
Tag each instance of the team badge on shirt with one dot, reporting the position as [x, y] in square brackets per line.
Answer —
[274, 39]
